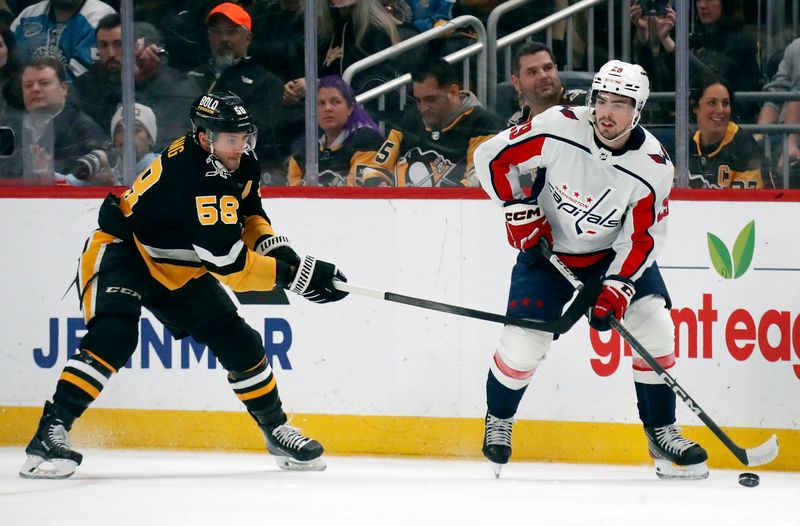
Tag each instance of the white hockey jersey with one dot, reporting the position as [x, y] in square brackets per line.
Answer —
[595, 199]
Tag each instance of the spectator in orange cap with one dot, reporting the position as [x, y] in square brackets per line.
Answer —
[230, 68]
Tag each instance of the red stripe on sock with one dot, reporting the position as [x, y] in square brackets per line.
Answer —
[509, 371]
[664, 361]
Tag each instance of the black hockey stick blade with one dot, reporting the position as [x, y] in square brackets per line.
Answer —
[585, 299]
[756, 456]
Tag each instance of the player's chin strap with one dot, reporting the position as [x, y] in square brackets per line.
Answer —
[756, 456]
[582, 302]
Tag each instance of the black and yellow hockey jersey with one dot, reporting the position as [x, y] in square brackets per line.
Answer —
[188, 216]
[736, 162]
[343, 163]
[415, 155]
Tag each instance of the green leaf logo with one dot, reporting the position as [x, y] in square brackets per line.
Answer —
[733, 267]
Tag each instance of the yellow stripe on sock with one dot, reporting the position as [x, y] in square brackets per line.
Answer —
[80, 383]
[258, 392]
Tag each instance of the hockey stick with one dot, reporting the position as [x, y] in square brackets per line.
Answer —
[585, 299]
[755, 456]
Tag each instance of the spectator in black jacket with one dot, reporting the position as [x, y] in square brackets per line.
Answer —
[232, 69]
[51, 135]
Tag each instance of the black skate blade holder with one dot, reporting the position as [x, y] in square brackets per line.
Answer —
[756, 456]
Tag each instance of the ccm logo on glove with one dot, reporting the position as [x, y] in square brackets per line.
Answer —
[526, 224]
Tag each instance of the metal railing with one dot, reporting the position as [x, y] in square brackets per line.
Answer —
[478, 48]
[766, 129]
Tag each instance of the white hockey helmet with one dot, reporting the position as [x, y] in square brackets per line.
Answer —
[622, 78]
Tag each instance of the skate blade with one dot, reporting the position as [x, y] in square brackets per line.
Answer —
[496, 468]
[667, 470]
[60, 468]
[290, 464]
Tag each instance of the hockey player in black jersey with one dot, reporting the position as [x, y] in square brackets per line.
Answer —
[192, 219]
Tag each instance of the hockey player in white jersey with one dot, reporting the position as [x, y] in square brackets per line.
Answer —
[600, 198]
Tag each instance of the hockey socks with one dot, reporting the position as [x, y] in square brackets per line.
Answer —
[656, 404]
[501, 401]
[257, 389]
[81, 382]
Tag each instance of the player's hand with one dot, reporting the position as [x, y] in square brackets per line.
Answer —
[526, 224]
[614, 299]
[314, 281]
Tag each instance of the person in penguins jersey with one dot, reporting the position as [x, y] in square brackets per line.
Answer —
[191, 220]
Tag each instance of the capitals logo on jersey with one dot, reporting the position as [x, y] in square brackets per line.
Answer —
[660, 158]
[568, 113]
[586, 209]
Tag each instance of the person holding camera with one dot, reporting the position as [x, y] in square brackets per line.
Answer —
[718, 46]
[50, 135]
[156, 83]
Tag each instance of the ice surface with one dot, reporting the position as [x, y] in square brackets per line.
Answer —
[153, 488]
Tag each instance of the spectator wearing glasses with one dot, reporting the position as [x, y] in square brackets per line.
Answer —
[232, 69]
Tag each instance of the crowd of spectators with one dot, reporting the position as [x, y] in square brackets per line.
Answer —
[61, 87]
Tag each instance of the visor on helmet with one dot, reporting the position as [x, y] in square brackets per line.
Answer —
[224, 142]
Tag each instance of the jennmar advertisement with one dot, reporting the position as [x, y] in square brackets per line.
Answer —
[732, 273]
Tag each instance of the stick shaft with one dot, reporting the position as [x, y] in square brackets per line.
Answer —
[559, 326]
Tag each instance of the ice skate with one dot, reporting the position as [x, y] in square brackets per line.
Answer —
[675, 456]
[497, 442]
[50, 453]
[292, 450]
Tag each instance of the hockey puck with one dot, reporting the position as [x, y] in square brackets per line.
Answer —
[748, 480]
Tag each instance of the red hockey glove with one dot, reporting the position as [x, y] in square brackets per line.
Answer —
[526, 224]
[614, 299]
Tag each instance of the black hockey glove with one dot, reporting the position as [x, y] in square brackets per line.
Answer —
[314, 281]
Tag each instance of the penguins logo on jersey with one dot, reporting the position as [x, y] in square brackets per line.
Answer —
[219, 168]
[418, 168]
[331, 178]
